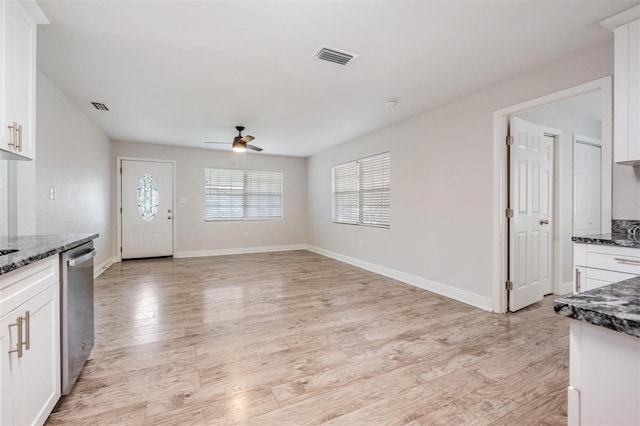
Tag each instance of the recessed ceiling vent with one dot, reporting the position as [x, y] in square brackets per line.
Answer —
[100, 106]
[336, 56]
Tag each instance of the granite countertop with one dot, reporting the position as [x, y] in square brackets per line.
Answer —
[614, 306]
[614, 239]
[37, 247]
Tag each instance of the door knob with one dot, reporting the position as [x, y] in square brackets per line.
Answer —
[544, 222]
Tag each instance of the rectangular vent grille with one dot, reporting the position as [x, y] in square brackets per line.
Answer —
[100, 106]
[333, 55]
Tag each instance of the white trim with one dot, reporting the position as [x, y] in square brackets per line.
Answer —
[119, 201]
[97, 270]
[500, 118]
[238, 250]
[35, 12]
[622, 18]
[463, 296]
[586, 139]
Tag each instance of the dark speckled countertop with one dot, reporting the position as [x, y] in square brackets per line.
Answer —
[614, 306]
[37, 247]
[615, 239]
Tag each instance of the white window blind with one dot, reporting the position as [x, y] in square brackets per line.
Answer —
[362, 191]
[238, 195]
[263, 195]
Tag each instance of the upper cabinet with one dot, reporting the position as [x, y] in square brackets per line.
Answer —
[626, 28]
[18, 76]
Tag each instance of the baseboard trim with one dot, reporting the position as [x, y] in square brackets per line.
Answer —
[97, 270]
[463, 296]
[566, 288]
[238, 250]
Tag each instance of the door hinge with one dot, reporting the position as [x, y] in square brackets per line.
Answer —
[120, 249]
[509, 140]
[120, 170]
[120, 209]
[509, 285]
[509, 212]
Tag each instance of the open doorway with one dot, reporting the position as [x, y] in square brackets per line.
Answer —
[578, 115]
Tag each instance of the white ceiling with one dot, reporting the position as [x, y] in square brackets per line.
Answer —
[588, 105]
[182, 72]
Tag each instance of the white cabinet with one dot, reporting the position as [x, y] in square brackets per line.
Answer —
[30, 343]
[18, 77]
[599, 265]
[626, 28]
[604, 376]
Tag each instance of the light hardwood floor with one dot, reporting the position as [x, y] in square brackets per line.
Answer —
[295, 338]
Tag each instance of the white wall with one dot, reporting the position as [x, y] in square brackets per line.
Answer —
[197, 237]
[442, 166]
[626, 192]
[73, 156]
[569, 124]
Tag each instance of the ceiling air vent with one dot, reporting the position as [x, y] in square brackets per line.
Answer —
[100, 106]
[334, 55]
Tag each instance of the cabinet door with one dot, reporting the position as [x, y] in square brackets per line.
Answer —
[8, 341]
[19, 44]
[598, 278]
[627, 93]
[35, 377]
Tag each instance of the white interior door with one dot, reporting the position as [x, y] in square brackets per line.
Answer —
[587, 192]
[147, 209]
[531, 228]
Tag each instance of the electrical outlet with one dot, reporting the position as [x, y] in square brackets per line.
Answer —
[52, 193]
[360, 243]
[246, 234]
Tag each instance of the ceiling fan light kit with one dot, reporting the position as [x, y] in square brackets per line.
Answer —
[241, 143]
[238, 147]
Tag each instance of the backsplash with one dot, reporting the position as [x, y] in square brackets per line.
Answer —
[619, 226]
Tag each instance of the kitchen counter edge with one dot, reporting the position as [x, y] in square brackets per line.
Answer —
[615, 306]
[620, 240]
[33, 248]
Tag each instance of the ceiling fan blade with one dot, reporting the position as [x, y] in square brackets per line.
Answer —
[253, 147]
[226, 143]
[247, 138]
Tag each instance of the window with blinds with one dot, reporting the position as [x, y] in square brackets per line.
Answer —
[242, 195]
[362, 191]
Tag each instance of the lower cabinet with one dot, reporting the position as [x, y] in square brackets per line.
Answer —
[604, 377]
[598, 265]
[30, 345]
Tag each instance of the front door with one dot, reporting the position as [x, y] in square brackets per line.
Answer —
[147, 209]
[531, 199]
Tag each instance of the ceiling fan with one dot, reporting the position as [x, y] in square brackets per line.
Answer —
[241, 143]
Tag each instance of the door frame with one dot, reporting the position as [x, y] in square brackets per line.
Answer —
[500, 132]
[118, 212]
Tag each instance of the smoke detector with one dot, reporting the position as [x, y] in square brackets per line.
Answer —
[391, 103]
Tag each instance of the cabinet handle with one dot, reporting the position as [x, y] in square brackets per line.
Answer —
[27, 332]
[626, 260]
[18, 348]
[19, 135]
[577, 280]
[12, 135]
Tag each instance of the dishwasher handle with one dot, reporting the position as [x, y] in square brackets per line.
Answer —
[74, 261]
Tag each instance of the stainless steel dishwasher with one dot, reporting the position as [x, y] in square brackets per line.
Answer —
[76, 269]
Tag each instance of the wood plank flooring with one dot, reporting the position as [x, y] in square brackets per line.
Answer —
[295, 338]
